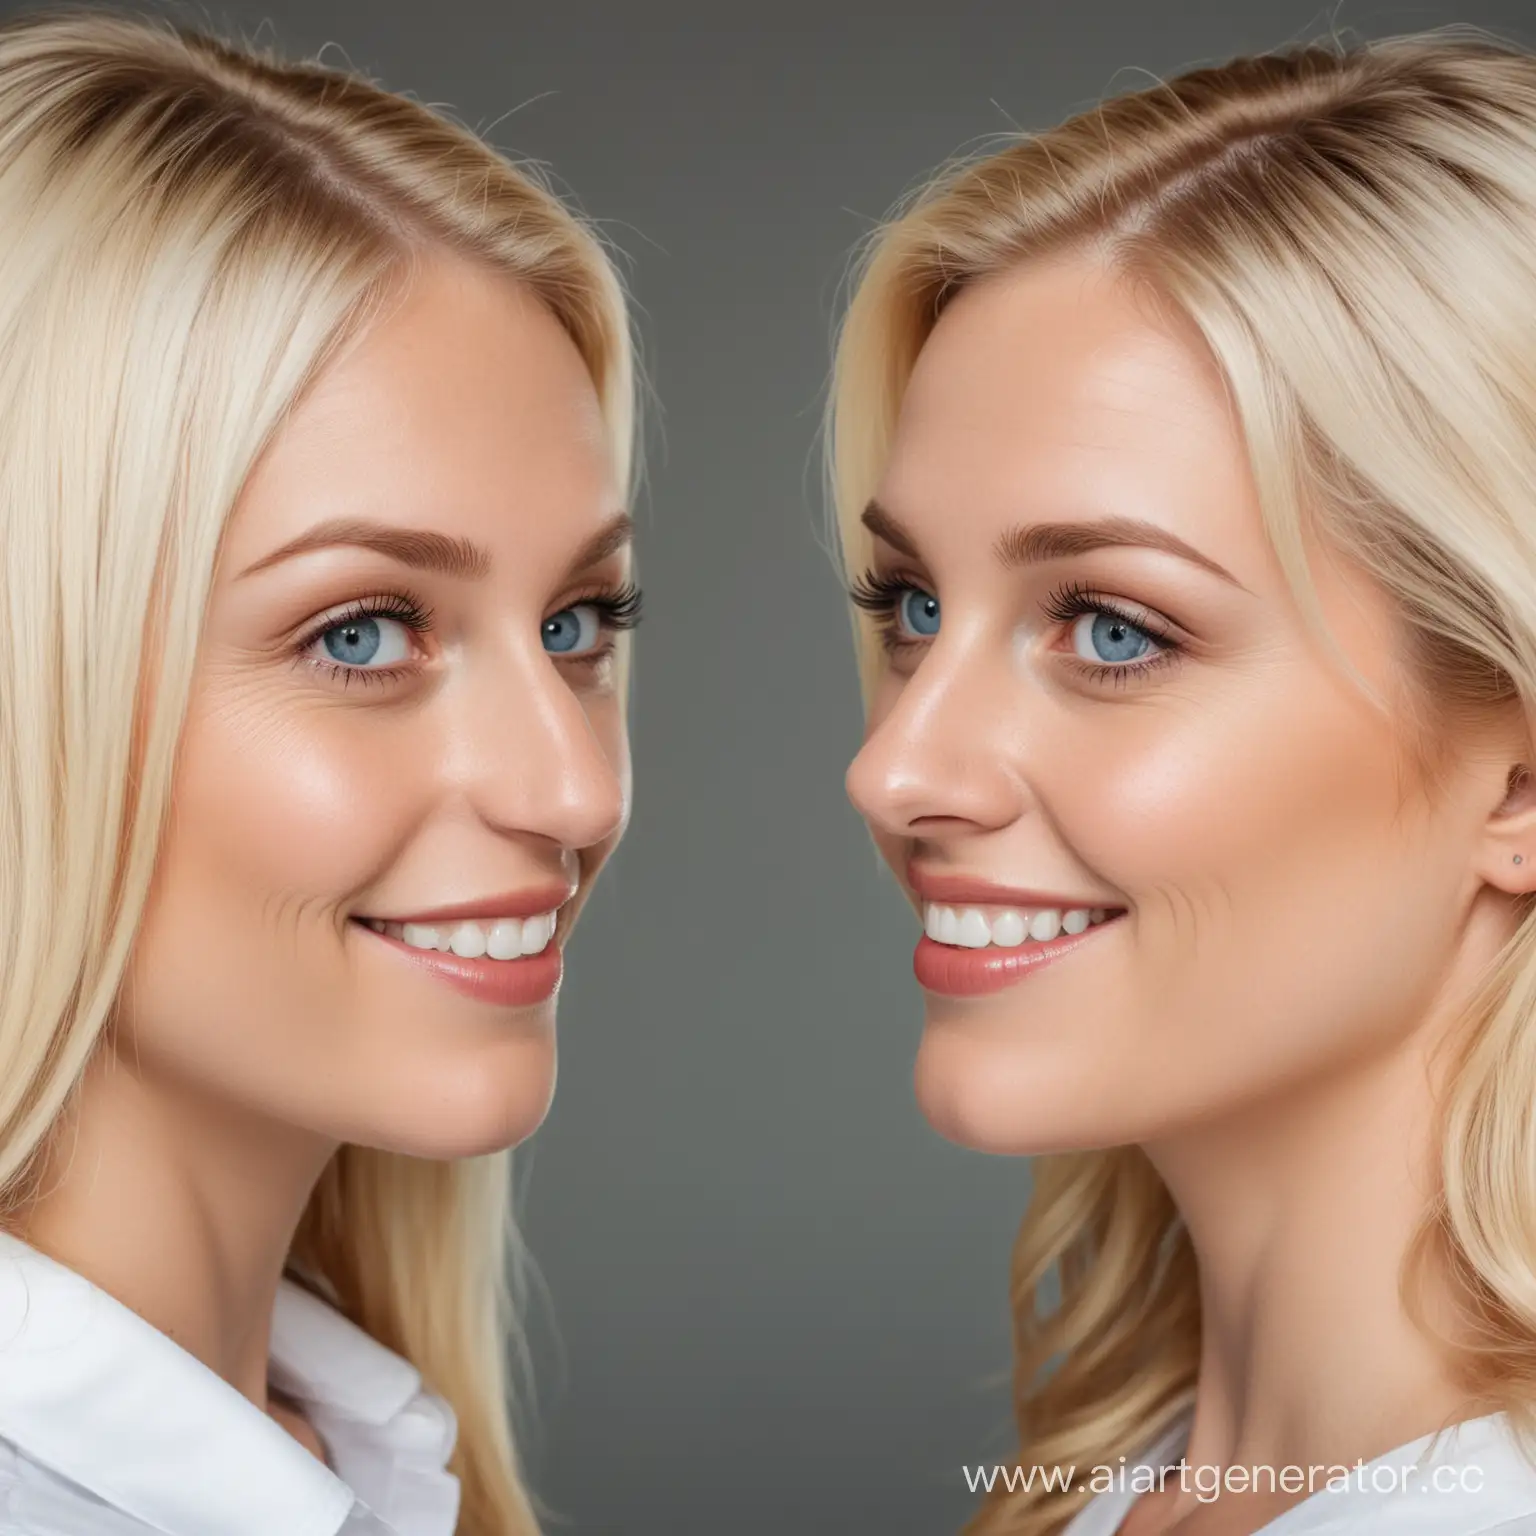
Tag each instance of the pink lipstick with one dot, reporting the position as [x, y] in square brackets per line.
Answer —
[981, 936]
[954, 972]
[516, 983]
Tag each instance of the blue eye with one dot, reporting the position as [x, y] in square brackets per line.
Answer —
[1112, 638]
[918, 612]
[572, 631]
[357, 642]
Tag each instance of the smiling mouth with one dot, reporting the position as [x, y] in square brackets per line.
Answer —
[979, 950]
[502, 938]
[506, 962]
[1000, 927]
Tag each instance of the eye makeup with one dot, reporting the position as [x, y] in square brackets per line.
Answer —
[883, 595]
[618, 608]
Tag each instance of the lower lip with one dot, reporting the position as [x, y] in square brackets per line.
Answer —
[954, 972]
[503, 983]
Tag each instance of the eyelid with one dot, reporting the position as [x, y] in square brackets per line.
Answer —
[879, 595]
[586, 592]
[618, 606]
[1070, 599]
[403, 606]
[910, 576]
[614, 569]
[1073, 600]
[621, 603]
[875, 590]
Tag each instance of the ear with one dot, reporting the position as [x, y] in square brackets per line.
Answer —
[1510, 840]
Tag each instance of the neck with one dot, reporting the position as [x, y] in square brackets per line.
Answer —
[182, 1209]
[1301, 1217]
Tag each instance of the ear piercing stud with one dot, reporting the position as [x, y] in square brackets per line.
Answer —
[1519, 858]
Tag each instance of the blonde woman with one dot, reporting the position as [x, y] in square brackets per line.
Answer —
[1185, 463]
[315, 421]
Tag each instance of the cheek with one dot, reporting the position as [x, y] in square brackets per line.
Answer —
[1257, 818]
[247, 985]
[1282, 878]
[276, 819]
[304, 809]
[1286, 915]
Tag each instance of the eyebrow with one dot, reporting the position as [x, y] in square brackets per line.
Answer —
[1031, 543]
[424, 549]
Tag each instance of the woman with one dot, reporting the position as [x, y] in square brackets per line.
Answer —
[316, 428]
[1184, 460]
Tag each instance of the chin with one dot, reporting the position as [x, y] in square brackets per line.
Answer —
[1000, 1098]
[476, 1109]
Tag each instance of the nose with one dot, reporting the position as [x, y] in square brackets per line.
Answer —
[943, 752]
[539, 764]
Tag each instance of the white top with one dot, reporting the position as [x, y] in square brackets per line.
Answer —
[1475, 1483]
[108, 1428]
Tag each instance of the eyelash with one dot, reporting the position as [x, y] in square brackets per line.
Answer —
[404, 607]
[879, 595]
[620, 606]
[618, 609]
[1071, 600]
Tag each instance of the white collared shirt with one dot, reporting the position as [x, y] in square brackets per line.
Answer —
[108, 1428]
[1475, 1482]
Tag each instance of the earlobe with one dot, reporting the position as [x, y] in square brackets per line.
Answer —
[1515, 833]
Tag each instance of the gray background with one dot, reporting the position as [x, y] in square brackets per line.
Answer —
[776, 1300]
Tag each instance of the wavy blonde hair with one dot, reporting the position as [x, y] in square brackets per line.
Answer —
[191, 230]
[1353, 231]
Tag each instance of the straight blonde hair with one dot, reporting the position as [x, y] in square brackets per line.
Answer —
[1352, 229]
[191, 230]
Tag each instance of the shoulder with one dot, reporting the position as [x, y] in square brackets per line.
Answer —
[35, 1501]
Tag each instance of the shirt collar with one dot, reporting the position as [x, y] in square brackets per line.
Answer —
[323, 1358]
[92, 1391]
[1381, 1494]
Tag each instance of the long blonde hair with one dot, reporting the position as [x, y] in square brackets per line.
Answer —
[191, 230]
[1353, 231]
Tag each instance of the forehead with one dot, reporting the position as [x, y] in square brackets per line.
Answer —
[463, 401]
[1061, 389]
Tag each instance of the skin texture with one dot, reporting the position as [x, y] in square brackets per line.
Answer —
[1300, 917]
[260, 1028]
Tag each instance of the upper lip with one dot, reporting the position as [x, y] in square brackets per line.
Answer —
[933, 885]
[529, 902]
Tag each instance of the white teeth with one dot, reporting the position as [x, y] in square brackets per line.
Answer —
[1008, 930]
[1045, 924]
[974, 931]
[537, 932]
[504, 938]
[467, 941]
[1006, 927]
